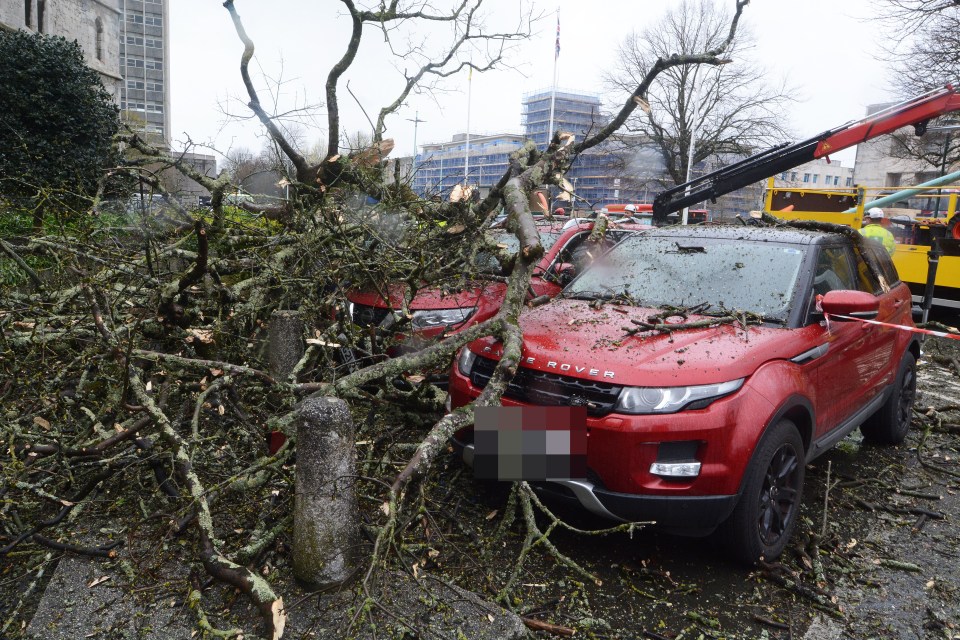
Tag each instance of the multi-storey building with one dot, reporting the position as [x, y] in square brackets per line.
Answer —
[816, 174]
[441, 166]
[603, 175]
[145, 66]
[94, 24]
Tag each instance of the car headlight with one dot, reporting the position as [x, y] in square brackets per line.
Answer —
[466, 360]
[427, 319]
[640, 400]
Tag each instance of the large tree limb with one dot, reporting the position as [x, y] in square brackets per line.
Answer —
[333, 107]
[295, 156]
[219, 566]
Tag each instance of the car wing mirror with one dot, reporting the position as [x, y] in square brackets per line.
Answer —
[853, 304]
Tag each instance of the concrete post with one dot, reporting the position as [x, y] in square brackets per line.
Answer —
[286, 342]
[325, 517]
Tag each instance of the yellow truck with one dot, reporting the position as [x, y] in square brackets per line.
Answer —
[925, 216]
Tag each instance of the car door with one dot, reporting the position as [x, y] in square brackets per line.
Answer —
[879, 367]
[842, 377]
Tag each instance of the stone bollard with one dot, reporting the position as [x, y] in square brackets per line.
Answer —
[286, 342]
[325, 517]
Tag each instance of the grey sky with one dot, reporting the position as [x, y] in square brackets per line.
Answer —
[828, 49]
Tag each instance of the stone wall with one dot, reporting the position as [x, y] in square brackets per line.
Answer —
[77, 20]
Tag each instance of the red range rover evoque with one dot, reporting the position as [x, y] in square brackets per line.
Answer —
[712, 426]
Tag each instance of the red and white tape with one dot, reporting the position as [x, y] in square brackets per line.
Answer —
[928, 332]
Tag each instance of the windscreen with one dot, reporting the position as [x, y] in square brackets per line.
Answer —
[509, 240]
[686, 272]
[486, 261]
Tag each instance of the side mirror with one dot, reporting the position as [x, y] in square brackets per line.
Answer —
[855, 304]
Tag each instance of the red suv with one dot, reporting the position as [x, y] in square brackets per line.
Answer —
[712, 425]
[436, 312]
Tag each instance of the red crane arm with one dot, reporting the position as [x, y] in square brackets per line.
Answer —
[912, 112]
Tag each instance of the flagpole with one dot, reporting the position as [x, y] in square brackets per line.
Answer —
[553, 92]
[466, 154]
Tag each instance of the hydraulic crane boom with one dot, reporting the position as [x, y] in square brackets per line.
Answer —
[916, 112]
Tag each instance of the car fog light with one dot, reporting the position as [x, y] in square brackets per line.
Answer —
[675, 469]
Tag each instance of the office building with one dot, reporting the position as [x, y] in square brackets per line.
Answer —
[145, 67]
[441, 166]
[816, 174]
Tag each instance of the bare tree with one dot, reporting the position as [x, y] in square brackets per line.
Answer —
[923, 47]
[734, 106]
[923, 43]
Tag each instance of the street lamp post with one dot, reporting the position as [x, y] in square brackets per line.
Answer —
[416, 121]
[695, 122]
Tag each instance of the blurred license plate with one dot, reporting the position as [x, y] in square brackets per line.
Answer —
[530, 443]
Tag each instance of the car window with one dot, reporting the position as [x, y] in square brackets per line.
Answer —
[834, 271]
[581, 252]
[488, 262]
[576, 251]
[866, 279]
[881, 259]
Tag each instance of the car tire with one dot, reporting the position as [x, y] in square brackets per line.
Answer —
[766, 513]
[889, 425]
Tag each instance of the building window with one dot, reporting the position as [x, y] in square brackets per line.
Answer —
[99, 39]
[836, 180]
[153, 19]
[134, 62]
[849, 182]
[815, 178]
[806, 177]
[826, 179]
[40, 7]
[134, 40]
[28, 13]
[135, 17]
[793, 176]
[154, 64]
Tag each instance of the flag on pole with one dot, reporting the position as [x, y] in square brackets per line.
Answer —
[557, 54]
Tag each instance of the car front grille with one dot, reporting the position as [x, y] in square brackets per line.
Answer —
[367, 316]
[551, 389]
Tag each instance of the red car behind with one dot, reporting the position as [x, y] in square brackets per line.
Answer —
[437, 313]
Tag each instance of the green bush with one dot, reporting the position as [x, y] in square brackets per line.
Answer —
[57, 124]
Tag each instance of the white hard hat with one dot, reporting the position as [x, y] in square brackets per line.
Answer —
[629, 207]
[875, 213]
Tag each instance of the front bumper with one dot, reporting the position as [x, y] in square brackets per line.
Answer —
[690, 515]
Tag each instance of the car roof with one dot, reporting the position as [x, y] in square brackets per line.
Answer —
[788, 235]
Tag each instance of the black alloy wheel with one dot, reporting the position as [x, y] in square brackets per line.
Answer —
[779, 497]
[908, 395]
[766, 513]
